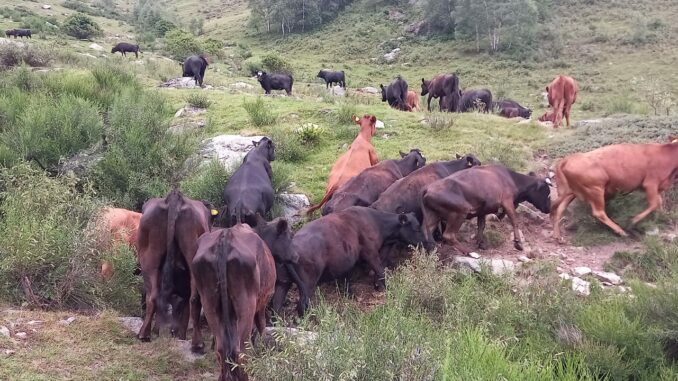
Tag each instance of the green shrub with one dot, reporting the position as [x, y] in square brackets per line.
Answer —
[440, 120]
[276, 64]
[12, 55]
[620, 104]
[81, 27]
[198, 100]
[180, 44]
[344, 114]
[500, 151]
[259, 113]
[123, 291]
[213, 47]
[310, 134]
[207, 183]
[288, 147]
[252, 66]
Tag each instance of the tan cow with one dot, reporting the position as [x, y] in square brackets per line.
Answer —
[117, 226]
[413, 101]
[595, 175]
[360, 155]
[562, 93]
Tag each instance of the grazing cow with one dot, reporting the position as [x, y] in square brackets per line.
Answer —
[195, 67]
[360, 156]
[478, 192]
[124, 47]
[332, 77]
[364, 189]
[19, 33]
[562, 93]
[442, 86]
[117, 226]
[168, 239]
[396, 94]
[329, 247]
[249, 190]
[595, 175]
[480, 100]
[275, 81]
[510, 109]
[404, 195]
[235, 277]
[413, 102]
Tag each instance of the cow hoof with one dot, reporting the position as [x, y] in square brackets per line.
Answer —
[144, 339]
[198, 349]
[518, 245]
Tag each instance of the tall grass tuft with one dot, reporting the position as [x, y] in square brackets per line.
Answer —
[208, 183]
[198, 100]
[288, 147]
[259, 113]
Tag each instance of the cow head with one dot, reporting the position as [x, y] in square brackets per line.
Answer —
[383, 92]
[278, 237]
[424, 86]
[321, 74]
[115, 49]
[538, 193]
[415, 154]
[549, 116]
[409, 229]
[268, 145]
[261, 76]
[525, 112]
[367, 122]
[471, 161]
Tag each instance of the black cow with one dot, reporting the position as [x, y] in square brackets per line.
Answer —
[475, 100]
[329, 247]
[396, 94]
[478, 192]
[443, 86]
[275, 81]
[250, 191]
[195, 67]
[10, 32]
[404, 196]
[125, 47]
[332, 77]
[510, 109]
[364, 189]
[19, 33]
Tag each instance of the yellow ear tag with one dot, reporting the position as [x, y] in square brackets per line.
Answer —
[214, 212]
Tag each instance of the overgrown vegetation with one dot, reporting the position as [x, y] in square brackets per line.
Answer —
[81, 26]
[259, 113]
[292, 16]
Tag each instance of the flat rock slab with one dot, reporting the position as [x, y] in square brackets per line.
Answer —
[132, 323]
[497, 266]
[228, 149]
[180, 83]
[293, 204]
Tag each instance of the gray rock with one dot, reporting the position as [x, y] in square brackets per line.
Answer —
[293, 204]
[379, 124]
[591, 122]
[180, 83]
[4, 331]
[604, 276]
[497, 266]
[502, 266]
[652, 232]
[228, 149]
[392, 56]
[87, 55]
[468, 263]
[416, 28]
[369, 90]
[581, 286]
[242, 86]
[338, 91]
[188, 111]
[581, 271]
[81, 163]
[96, 46]
[524, 259]
[21, 335]
[132, 323]
[68, 321]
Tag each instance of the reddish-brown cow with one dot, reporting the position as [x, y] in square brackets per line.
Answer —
[413, 101]
[360, 155]
[442, 86]
[117, 226]
[562, 93]
[236, 279]
[168, 225]
[594, 175]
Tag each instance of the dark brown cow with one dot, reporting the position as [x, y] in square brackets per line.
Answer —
[477, 192]
[595, 175]
[364, 189]
[330, 246]
[235, 279]
[442, 86]
[168, 239]
[562, 93]
[404, 196]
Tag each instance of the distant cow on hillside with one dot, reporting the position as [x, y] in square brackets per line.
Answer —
[195, 67]
[275, 81]
[19, 33]
[332, 77]
[562, 93]
[445, 87]
[125, 47]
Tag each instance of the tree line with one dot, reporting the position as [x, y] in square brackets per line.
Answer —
[290, 16]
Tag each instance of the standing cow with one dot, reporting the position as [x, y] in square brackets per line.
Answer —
[19, 33]
[396, 94]
[443, 86]
[562, 93]
[276, 81]
[195, 67]
[249, 190]
[125, 47]
[332, 77]
[477, 192]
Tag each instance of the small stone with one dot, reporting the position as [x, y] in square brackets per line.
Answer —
[581, 286]
[21, 335]
[96, 46]
[9, 352]
[468, 263]
[46, 6]
[524, 259]
[608, 277]
[565, 276]
[179, 113]
[652, 232]
[473, 254]
[569, 261]
[67, 321]
[607, 284]
[242, 86]
[563, 256]
[502, 266]
[369, 90]
[379, 124]
[670, 237]
[4, 331]
[581, 271]
[623, 289]
[338, 91]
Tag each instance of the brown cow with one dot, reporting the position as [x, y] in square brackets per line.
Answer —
[360, 155]
[168, 225]
[442, 86]
[117, 226]
[365, 188]
[235, 279]
[477, 192]
[562, 93]
[595, 175]
[413, 101]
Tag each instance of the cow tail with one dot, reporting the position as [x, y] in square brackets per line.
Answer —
[226, 308]
[173, 205]
[322, 202]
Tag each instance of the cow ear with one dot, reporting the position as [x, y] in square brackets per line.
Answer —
[402, 218]
[373, 119]
[673, 139]
[423, 81]
[402, 154]
[547, 89]
[282, 226]
[356, 119]
[382, 86]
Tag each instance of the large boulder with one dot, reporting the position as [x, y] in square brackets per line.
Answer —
[293, 204]
[180, 83]
[228, 149]
[392, 56]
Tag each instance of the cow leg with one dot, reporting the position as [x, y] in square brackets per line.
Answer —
[151, 284]
[429, 102]
[561, 205]
[480, 235]
[513, 218]
[279, 296]
[136, 55]
[567, 115]
[654, 201]
[372, 258]
[454, 222]
[197, 344]
[596, 199]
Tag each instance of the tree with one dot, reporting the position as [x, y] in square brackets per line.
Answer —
[439, 14]
[81, 26]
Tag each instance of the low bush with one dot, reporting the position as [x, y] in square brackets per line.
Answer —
[440, 120]
[81, 27]
[180, 44]
[259, 113]
[344, 115]
[207, 183]
[12, 55]
[198, 100]
[288, 147]
[275, 64]
[310, 134]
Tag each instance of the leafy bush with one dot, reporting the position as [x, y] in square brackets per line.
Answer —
[620, 104]
[276, 64]
[198, 100]
[180, 44]
[288, 147]
[213, 47]
[81, 26]
[259, 112]
[310, 134]
[207, 183]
